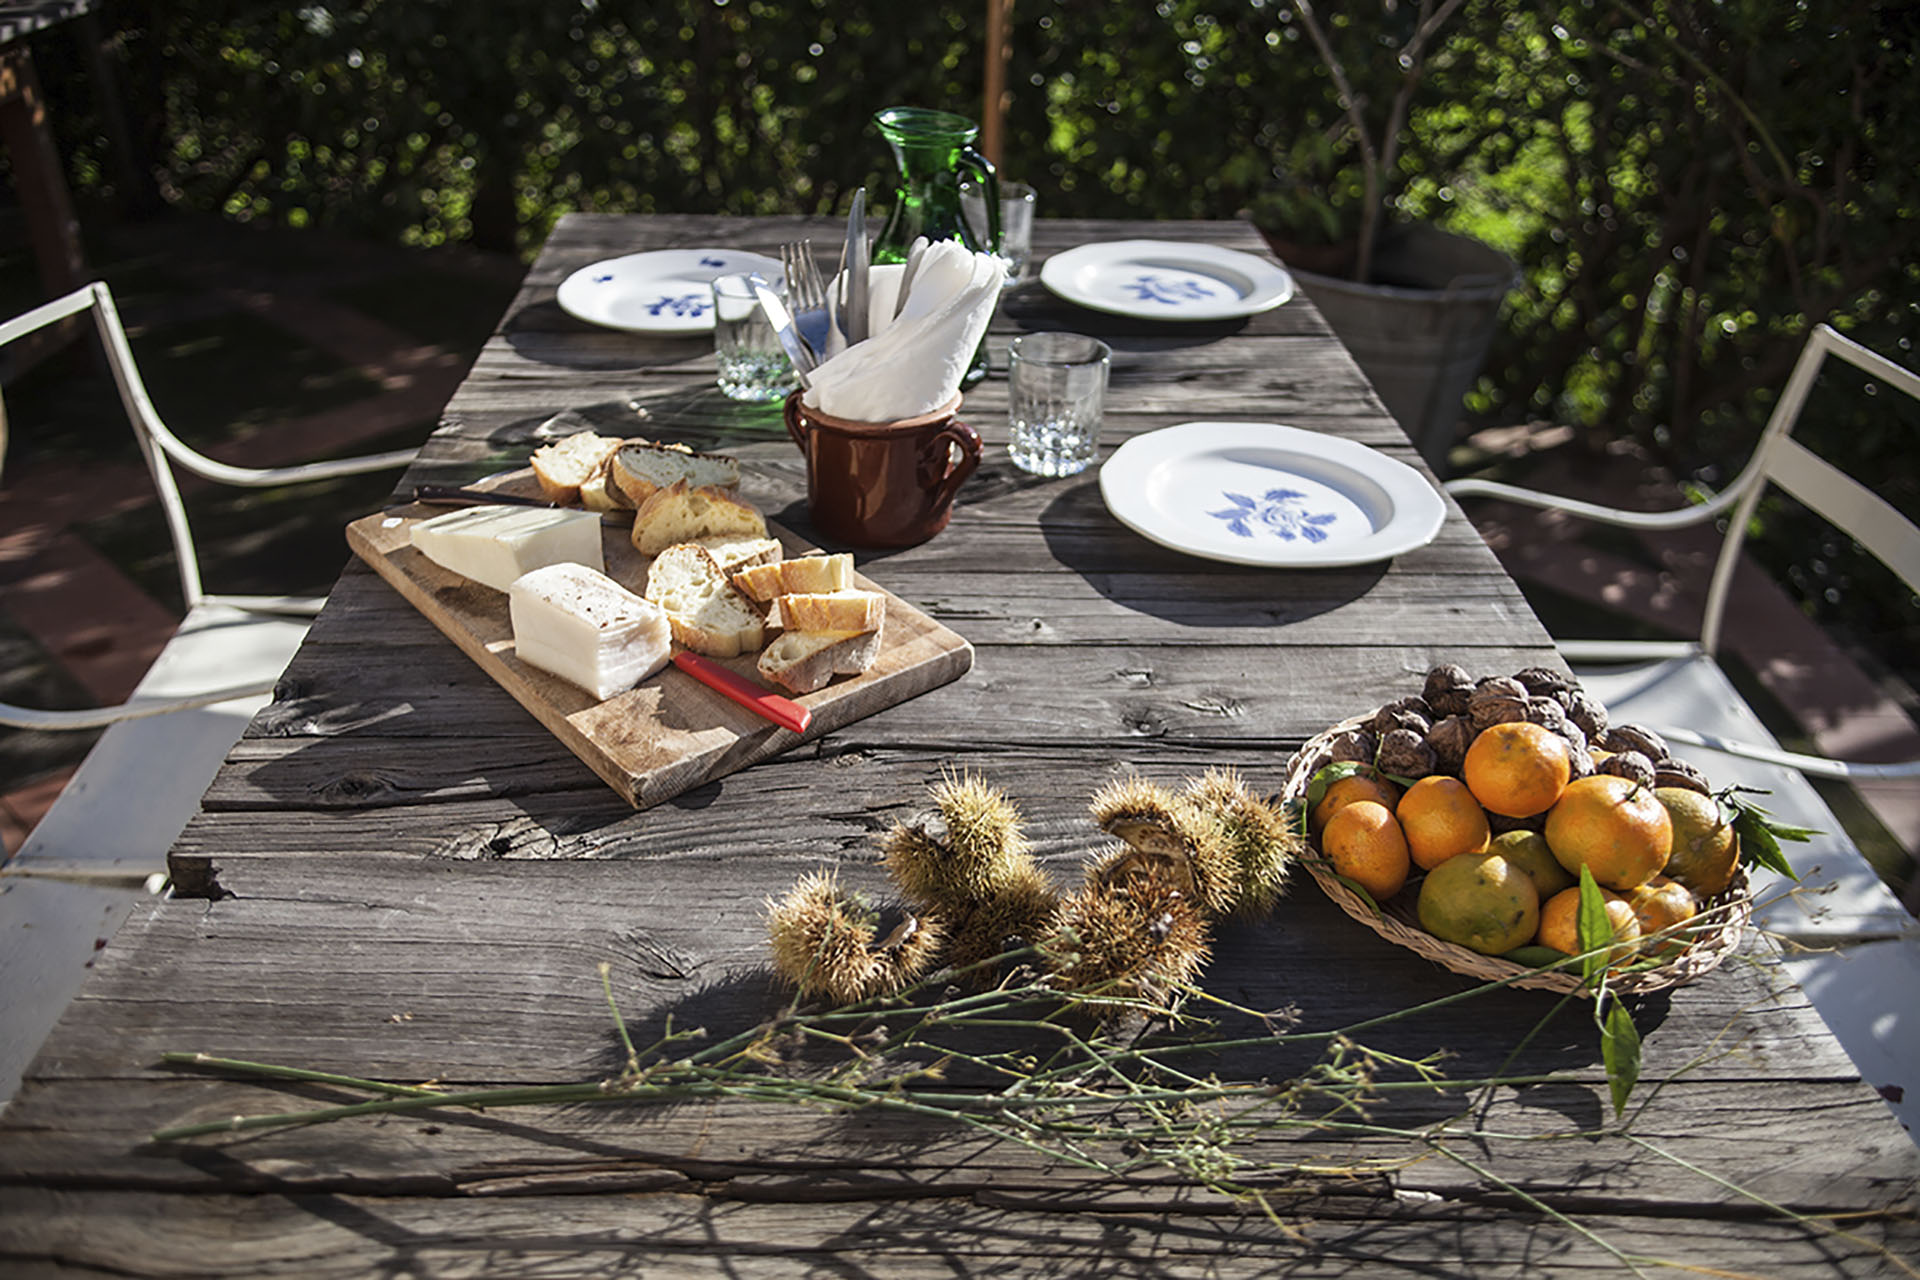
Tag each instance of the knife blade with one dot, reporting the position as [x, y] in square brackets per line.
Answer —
[857, 262]
[914, 255]
[783, 328]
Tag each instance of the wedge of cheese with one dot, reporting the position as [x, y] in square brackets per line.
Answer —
[495, 545]
[586, 628]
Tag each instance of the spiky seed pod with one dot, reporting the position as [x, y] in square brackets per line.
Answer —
[1405, 754]
[967, 849]
[1447, 689]
[1585, 710]
[1020, 914]
[1635, 737]
[1359, 745]
[1140, 940]
[1630, 765]
[1678, 773]
[1142, 813]
[1540, 681]
[1257, 836]
[822, 939]
[1449, 740]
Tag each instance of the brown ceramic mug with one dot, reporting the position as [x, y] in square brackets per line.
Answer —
[882, 484]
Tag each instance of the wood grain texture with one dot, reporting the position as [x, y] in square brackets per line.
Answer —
[402, 872]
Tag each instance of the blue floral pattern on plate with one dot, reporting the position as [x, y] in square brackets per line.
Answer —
[1151, 288]
[685, 304]
[1278, 511]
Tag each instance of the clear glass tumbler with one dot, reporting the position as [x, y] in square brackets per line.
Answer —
[752, 365]
[1016, 223]
[1056, 391]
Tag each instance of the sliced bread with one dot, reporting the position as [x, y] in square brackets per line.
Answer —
[596, 494]
[736, 554]
[828, 611]
[800, 575]
[641, 468]
[803, 661]
[566, 464]
[681, 513]
[707, 615]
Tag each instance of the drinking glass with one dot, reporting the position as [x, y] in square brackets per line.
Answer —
[1055, 393]
[1016, 223]
[752, 365]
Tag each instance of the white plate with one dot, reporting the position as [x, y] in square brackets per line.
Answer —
[1166, 280]
[660, 292]
[1263, 494]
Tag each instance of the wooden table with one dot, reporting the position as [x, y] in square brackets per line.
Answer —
[399, 874]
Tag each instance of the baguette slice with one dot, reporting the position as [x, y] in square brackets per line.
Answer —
[681, 513]
[566, 464]
[596, 494]
[844, 611]
[707, 615]
[803, 661]
[641, 468]
[736, 554]
[587, 629]
[805, 574]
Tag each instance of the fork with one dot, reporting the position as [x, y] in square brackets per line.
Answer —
[807, 294]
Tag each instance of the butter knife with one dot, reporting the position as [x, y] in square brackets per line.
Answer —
[857, 262]
[781, 319]
[917, 252]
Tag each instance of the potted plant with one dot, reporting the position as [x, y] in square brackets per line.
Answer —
[1417, 306]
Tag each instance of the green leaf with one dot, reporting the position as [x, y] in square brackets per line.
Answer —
[1620, 1051]
[1596, 930]
[1536, 957]
[1360, 889]
[1317, 787]
[1760, 835]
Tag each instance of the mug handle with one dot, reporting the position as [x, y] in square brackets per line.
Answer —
[940, 475]
[796, 425]
[990, 180]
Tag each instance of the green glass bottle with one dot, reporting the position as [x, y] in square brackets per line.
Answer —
[934, 150]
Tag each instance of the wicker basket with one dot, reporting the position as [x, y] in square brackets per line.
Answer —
[1722, 917]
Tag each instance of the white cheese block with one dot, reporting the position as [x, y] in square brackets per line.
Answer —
[495, 545]
[586, 628]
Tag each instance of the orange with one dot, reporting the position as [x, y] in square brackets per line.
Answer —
[1442, 820]
[1705, 849]
[1662, 904]
[1560, 924]
[1614, 827]
[1480, 901]
[1517, 769]
[1365, 844]
[1355, 786]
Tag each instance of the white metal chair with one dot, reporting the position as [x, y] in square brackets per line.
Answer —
[102, 846]
[1867, 946]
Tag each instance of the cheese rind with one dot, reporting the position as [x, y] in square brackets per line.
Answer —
[588, 629]
[493, 545]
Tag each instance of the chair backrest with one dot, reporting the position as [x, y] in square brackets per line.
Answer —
[1844, 502]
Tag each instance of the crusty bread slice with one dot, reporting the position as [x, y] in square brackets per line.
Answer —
[596, 494]
[566, 464]
[803, 661]
[800, 575]
[828, 611]
[641, 468]
[736, 554]
[706, 613]
[681, 513]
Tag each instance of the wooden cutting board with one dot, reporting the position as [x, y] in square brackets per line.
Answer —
[671, 733]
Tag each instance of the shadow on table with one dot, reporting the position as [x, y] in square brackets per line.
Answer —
[703, 418]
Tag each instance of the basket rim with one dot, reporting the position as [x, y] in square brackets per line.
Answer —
[1705, 951]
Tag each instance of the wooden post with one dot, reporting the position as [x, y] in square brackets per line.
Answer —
[993, 110]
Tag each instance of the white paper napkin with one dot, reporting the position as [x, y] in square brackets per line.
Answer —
[913, 362]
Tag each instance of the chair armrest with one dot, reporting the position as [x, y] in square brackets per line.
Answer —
[266, 477]
[1684, 517]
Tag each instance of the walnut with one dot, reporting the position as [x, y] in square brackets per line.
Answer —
[1678, 773]
[1507, 685]
[1634, 737]
[1399, 716]
[1448, 688]
[1450, 739]
[1546, 713]
[1405, 754]
[1541, 681]
[1631, 765]
[1487, 710]
[1354, 744]
[1575, 738]
[1580, 764]
[1585, 710]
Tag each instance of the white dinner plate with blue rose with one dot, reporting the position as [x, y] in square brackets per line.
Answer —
[665, 291]
[1259, 493]
[1167, 280]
